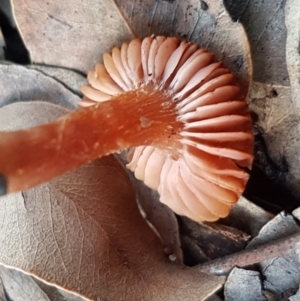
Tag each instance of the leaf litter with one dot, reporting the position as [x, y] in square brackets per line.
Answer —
[188, 20]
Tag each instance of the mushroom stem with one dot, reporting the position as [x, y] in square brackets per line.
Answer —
[140, 117]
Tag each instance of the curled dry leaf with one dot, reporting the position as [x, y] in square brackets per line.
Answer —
[83, 232]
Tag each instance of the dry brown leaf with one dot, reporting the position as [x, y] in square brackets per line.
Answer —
[70, 33]
[75, 34]
[83, 232]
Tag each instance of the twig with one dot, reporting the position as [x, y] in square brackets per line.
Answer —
[269, 250]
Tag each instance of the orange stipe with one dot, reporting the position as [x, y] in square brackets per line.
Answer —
[33, 156]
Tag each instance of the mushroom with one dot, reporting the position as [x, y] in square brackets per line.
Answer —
[179, 110]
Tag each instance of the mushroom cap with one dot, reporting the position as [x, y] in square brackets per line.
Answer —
[208, 173]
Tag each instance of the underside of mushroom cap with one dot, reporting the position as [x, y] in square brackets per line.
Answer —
[206, 175]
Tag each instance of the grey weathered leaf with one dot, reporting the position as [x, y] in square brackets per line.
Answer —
[204, 22]
[18, 83]
[238, 286]
[274, 49]
[283, 273]
[279, 122]
[20, 287]
[84, 233]
[72, 80]
[264, 24]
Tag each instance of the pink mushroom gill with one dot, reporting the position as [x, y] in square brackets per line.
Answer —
[199, 165]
